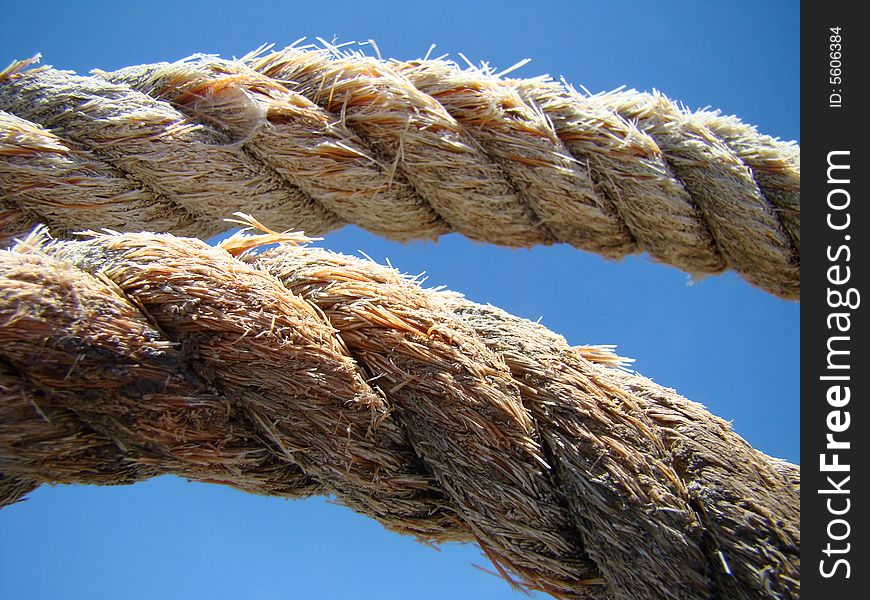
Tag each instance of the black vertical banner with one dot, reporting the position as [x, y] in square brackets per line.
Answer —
[835, 225]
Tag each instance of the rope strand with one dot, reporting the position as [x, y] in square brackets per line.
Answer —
[298, 371]
[315, 138]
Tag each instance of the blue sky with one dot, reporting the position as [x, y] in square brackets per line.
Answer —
[719, 342]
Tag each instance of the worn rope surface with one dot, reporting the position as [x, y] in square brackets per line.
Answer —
[314, 138]
[299, 371]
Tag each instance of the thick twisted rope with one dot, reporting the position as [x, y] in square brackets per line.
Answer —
[316, 138]
[298, 371]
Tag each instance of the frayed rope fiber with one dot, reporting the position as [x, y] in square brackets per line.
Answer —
[298, 372]
[313, 138]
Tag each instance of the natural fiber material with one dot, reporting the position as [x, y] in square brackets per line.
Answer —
[314, 138]
[298, 371]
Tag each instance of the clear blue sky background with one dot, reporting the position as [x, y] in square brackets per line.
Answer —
[718, 342]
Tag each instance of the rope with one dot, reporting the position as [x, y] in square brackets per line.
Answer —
[297, 371]
[314, 138]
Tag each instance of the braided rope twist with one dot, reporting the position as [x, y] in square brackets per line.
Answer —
[313, 138]
[298, 371]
